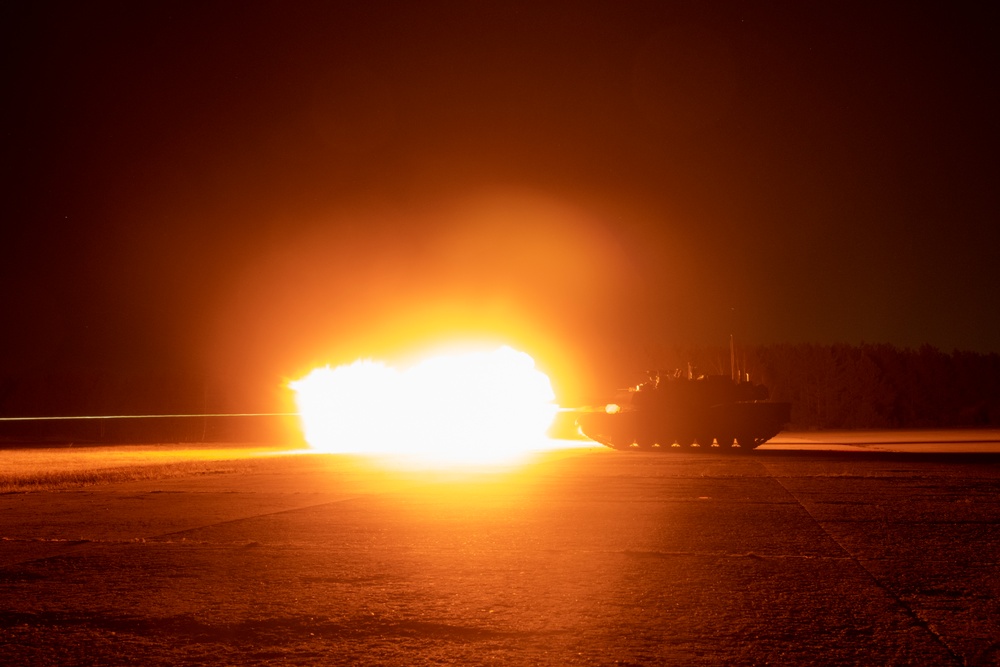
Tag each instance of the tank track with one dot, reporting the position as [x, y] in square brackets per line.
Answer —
[737, 427]
[718, 444]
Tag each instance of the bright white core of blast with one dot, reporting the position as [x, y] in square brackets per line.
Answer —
[464, 408]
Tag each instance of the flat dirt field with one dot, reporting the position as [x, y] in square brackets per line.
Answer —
[585, 556]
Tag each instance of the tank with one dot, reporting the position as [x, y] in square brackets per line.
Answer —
[671, 411]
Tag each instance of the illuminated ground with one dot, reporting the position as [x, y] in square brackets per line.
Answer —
[587, 556]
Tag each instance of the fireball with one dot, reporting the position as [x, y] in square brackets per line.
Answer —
[462, 408]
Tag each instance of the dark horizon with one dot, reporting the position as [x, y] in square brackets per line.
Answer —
[247, 191]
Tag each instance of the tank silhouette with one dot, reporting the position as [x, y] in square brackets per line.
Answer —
[673, 410]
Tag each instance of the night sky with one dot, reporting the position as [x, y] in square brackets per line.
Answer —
[246, 190]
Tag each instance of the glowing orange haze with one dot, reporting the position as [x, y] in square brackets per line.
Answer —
[469, 407]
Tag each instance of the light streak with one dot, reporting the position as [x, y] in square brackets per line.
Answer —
[218, 414]
[192, 416]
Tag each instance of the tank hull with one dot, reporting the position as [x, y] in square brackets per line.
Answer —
[741, 425]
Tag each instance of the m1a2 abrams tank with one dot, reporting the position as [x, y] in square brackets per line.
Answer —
[677, 410]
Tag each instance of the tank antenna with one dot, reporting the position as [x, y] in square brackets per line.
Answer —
[732, 358]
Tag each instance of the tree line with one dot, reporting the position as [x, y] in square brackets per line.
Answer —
[868, 386]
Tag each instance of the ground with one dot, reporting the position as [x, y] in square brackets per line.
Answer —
[584, 556]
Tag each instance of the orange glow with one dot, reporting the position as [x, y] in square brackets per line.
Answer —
[469, 407]
[500, 265]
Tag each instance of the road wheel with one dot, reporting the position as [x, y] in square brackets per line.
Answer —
[643, 443]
